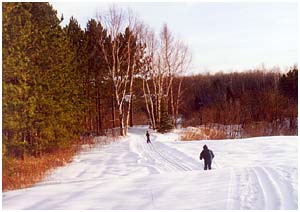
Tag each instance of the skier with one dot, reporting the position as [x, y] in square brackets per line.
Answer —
[208, 156]
[148, 137]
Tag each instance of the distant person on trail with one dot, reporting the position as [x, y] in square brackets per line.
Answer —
[148, 137]
[208, 156]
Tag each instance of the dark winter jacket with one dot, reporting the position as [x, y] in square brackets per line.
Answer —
[206, 154]
[148, 137]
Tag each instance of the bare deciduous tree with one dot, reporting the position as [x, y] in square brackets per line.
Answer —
[175, 59]
[115, 56]
[168, 58]
[122, 52]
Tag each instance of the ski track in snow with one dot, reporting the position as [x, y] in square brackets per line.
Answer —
[161, 157]
[167, 174]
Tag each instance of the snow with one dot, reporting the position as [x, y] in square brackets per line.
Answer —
[254, 173]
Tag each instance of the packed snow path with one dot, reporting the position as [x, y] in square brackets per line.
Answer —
[256, 173]
[159, 157]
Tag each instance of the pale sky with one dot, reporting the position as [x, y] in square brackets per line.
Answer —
[221, 36]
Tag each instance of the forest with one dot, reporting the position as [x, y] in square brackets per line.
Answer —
[253, 103]
[64, 84]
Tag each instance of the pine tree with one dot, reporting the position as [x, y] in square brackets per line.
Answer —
[97, 84]
[54, 82]
[40, 87]
[165, 121]
[78, 45]
[288, 83]
[17, 104]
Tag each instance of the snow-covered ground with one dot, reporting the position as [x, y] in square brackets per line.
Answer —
[255, 173]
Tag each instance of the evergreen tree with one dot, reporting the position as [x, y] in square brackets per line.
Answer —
[78, 43]
[54, 88]
[40, 90]
[165, 121]
[17, 104]
[97, 83]
[288, 84]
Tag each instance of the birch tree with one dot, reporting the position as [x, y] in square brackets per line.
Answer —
[149, 75]
[174, 61]
[120, 52]
[167, 58]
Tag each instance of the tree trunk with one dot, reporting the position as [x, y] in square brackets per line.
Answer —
[152, 107]
[147, 104]
[179, 94]
[129, 102]
[97, 117]
[121, 120]
[131, 112]
[172, 106]
[113, 112]
[128, 113]
[99, 111]
[160, 96]
[90, 112]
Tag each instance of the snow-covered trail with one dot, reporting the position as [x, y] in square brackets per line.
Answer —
[159, 157]
[256, 173]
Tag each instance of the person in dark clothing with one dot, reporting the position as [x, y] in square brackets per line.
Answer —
[208, 156]
[148, 137]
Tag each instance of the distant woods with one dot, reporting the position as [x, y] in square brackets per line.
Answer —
[60, 83]
[253, 103]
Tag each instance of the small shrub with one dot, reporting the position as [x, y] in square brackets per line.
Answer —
[202, 134]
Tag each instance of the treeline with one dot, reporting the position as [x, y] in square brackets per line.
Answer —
[41, 90]
[259, 102]
[60, 83]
